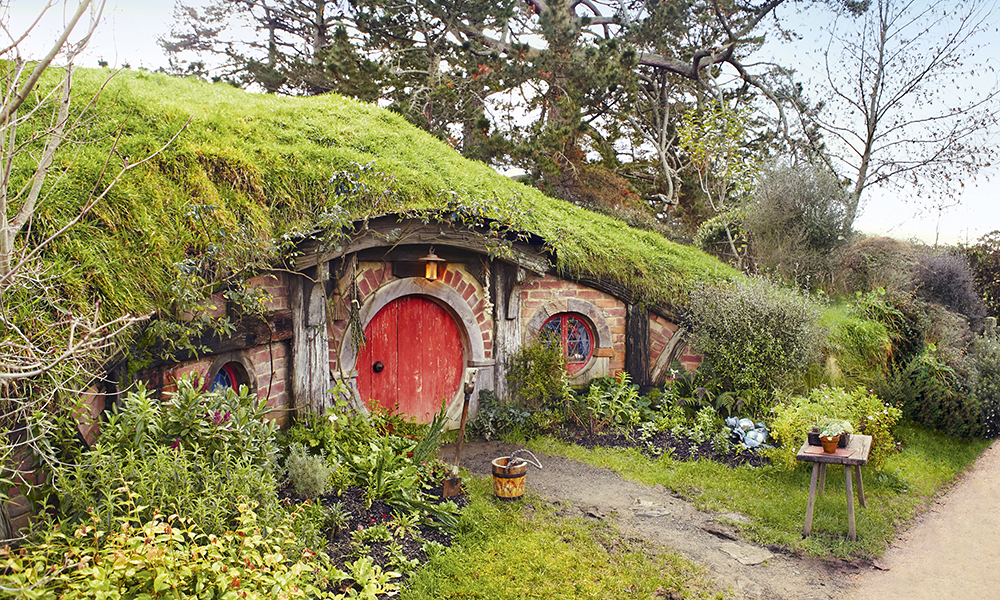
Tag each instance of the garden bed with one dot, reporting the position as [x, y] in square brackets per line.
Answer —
[663, 443]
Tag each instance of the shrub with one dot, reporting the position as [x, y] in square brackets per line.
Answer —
[171, 557]
[878, 262]
[946, 279]
[610, 401]
[986, 356]
[497, 419]
[309, 474]
[198, 454]
[866, 412]
[933, 394]
[754, 335]
[905, 319]
[797, 221]
[536, 374]
[984, 262]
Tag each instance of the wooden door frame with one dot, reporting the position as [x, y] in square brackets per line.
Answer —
[473, 349]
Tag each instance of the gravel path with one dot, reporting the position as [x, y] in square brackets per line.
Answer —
[654, 514]
[953, 550]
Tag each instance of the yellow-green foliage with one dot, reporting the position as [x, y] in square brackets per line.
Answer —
[858, 349]
[249, 168]
[168, 557]
[865, 411]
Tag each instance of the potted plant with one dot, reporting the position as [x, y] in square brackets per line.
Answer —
[831, 433]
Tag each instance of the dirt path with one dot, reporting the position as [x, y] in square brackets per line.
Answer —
[953, 551]
[652, 513]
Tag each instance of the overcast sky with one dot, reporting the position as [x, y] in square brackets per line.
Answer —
[130, 29]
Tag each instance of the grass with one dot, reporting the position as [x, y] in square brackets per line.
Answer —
[775, 500]
[250, 168]
[522, 550]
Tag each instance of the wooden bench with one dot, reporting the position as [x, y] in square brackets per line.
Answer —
[854, 455]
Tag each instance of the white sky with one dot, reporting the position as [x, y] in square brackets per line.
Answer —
[130, 29]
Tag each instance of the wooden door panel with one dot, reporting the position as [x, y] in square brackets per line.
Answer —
[420, 346]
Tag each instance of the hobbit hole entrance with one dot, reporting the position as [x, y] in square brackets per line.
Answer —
[413, 358]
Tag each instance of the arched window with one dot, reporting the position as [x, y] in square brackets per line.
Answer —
[575, 336]
[229, 377]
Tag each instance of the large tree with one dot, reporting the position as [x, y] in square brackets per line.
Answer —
[547, 85]
[906, 103]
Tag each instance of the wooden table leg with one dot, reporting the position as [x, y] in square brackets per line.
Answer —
[822, 478]
[852, 532]
[812, 500]
[861, 487]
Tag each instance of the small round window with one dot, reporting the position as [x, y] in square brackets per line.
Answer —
[575, 336]
[228, 378]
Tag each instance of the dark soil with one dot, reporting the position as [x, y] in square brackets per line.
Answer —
[360, 516]
[663, 444]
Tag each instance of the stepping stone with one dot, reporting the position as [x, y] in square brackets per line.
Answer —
[747, 555]
[647, 508]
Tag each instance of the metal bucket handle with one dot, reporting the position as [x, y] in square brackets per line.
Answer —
[513, 460]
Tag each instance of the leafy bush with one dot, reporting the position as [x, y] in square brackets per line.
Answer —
[986, 355]
[866, 412]
[536, 374]
[754, 335]
[610, 401]
[878, 262]
[946, 279]
[497, 419]
[935, 395]
[173, 557]
[984, 262]
[904, 317]
[309, 474]
[198, 454]
[797, 221]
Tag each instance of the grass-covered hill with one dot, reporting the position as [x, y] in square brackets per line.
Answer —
[250, 168]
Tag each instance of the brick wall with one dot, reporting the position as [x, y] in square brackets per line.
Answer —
[660, 332]
[537, 291]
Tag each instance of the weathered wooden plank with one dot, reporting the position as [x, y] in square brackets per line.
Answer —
[310, 376]
[507, 322]
[637, 343]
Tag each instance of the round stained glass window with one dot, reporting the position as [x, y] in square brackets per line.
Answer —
[575, 336]
[225, 379]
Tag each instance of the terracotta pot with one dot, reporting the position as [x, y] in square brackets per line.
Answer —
[830, 443]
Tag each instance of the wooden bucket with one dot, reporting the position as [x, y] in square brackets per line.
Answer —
[508, 485]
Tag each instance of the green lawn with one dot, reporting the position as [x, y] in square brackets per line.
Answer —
[522, 550]
[775, 500]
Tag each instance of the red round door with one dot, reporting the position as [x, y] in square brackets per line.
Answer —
[413, 358]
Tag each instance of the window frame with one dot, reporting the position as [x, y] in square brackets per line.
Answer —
[563, 317]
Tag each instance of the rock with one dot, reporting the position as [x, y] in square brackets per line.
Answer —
[647, 508]
[747, 555]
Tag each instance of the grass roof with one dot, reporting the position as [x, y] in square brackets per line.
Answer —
[251, 168]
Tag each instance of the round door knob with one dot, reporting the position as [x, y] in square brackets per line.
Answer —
[378, 366]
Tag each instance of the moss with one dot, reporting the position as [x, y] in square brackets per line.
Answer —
[262, 167]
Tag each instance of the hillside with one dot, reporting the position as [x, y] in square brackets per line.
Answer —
[251, 170]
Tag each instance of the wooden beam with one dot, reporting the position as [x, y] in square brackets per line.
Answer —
[637, 343]
[250, 332]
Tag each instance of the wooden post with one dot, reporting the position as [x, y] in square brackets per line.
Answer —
[310, 347]
[637, 343]
[852, 531]
[506, 320]
[812, 500]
